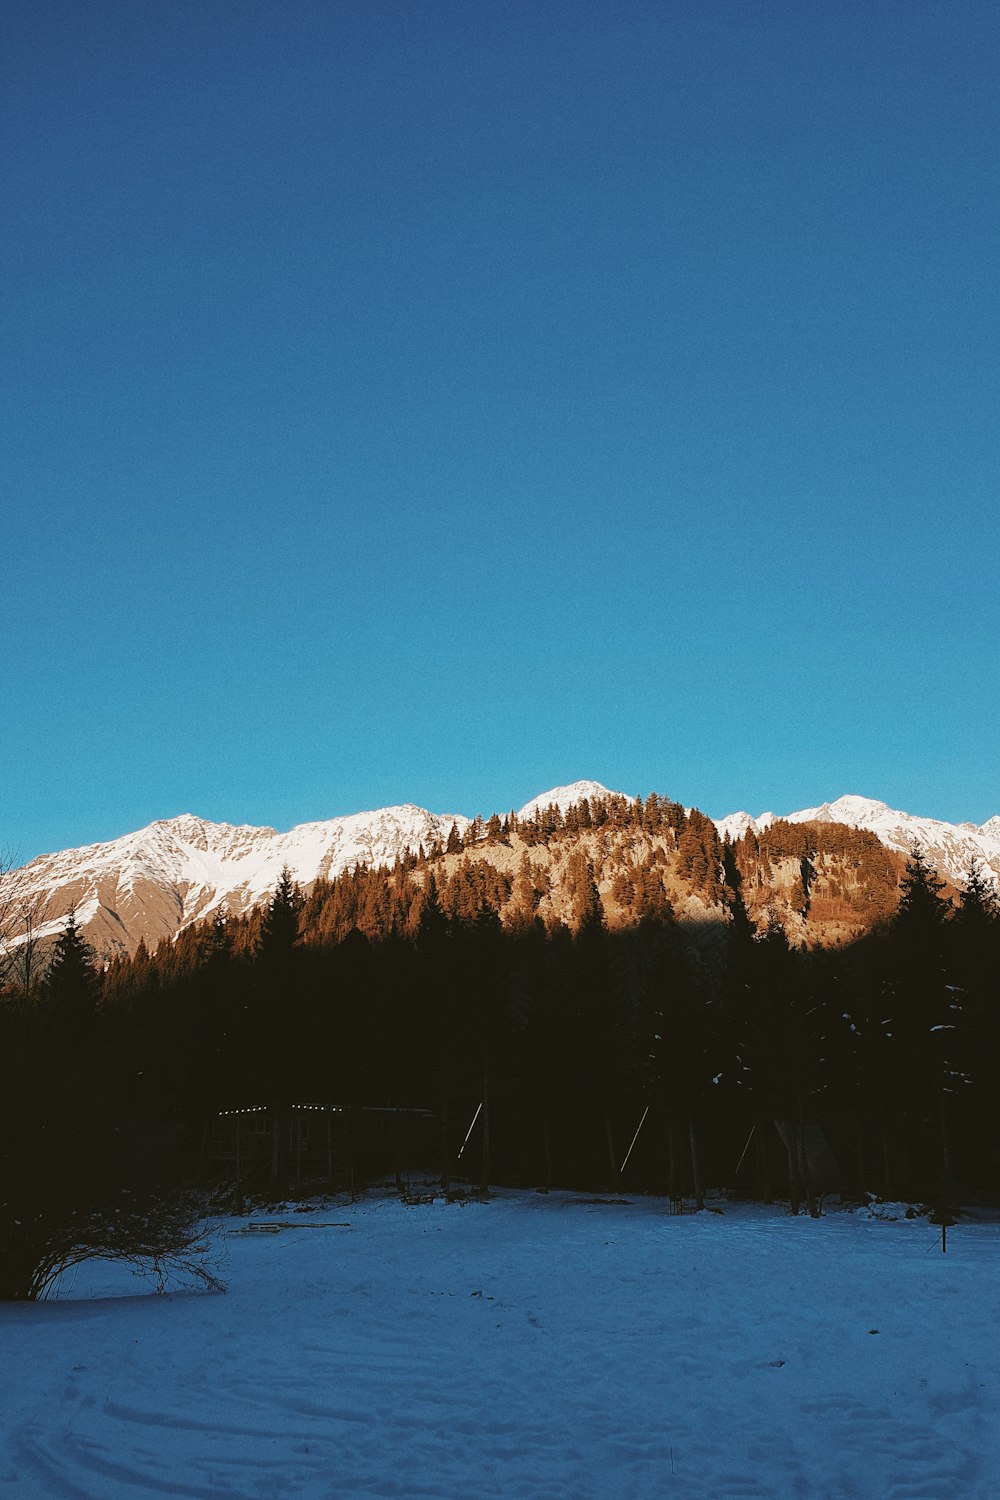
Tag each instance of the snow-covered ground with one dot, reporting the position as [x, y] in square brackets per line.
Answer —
[528, 1347]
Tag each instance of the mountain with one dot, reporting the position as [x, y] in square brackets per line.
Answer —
[565, 796]
[948, 846]
[150, 884]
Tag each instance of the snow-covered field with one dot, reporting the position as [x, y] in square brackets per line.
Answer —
[528, 1347]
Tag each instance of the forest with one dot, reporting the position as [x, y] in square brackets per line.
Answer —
[612, 999]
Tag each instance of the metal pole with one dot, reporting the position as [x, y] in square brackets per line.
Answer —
[746, 1148]
[628, 1153]
[475, 1117]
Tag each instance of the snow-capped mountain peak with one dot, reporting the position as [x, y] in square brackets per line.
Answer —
[734, 825]
[152, 883]
[565, 796]
[855, 811]
[950, 847]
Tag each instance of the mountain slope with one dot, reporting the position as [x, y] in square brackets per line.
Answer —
[565, 796]
[948, 846]
[150, 884]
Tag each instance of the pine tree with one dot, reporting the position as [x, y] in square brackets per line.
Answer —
[670, 1041]
[273, 1032]
[525, 895]
[974, 935]
[280, 929]
[71, 986]
[427, 920]
[923, 1006]
[922, 909]
[587, 913]
[978, 903]
[219, 950]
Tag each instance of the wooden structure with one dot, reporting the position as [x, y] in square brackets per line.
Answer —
[330, 1146]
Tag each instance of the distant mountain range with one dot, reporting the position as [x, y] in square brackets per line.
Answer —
[149, 884]
[948, 846]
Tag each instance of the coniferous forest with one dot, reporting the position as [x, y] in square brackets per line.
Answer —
[797, 1013]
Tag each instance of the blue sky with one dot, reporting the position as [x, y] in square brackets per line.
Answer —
[438, 402]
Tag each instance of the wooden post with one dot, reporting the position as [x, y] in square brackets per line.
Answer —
[484, 1183]
[764, 1164]
[886, 1171]
[947, 1167]
[275, 1147]
[794, 1186]
[801, 1155]
[699, 1197]
[610, 1142]
[804, 1175]
[946, 1172]
[445, 1152]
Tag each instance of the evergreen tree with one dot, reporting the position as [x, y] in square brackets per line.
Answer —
[923, 910]
[923, 1008]
[587, 913]
[274, 1015]
[280, 929]
[219, 950]
[978, 910]
[974, 936]
[525, 897]
[672, 1045]
[71, 986]
[427, 920]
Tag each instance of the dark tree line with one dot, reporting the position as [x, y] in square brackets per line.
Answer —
[72, 1184]
[403, 987]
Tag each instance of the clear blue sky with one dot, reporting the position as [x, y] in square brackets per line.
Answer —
[437, 402]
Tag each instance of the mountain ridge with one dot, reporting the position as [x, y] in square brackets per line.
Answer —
[948, 846]
[149, 884]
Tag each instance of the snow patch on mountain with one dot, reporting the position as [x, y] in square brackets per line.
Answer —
[735, 825]
[566, 796]
[55, 926]
[856, 812]
[179, 870]
[950, 847]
